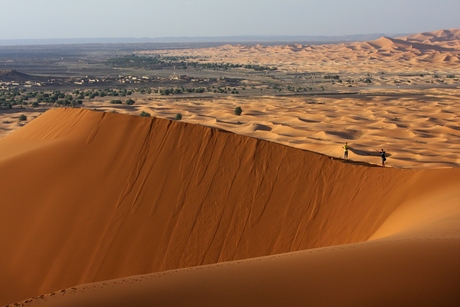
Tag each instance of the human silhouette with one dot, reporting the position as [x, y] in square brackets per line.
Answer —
[383, 156]
[345, 151]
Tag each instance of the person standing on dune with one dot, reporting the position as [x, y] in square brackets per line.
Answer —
[383, 156]
[345, 151]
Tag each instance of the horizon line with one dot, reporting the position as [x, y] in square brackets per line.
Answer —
[200, 39]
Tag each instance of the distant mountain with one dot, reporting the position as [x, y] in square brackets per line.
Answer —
[199, 39]
[425, 37]
[14, 75]
[11, 74]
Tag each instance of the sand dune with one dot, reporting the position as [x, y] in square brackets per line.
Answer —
[405, 45]
[214, 218]
[105, 209]
[436, 37]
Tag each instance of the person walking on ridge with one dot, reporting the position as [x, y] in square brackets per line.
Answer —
[383, 156]
[345, 151]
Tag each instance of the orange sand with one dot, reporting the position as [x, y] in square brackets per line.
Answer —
[92, 196]
[104, 209]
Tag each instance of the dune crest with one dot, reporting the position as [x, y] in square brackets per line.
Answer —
[436, 37]
[110, 196]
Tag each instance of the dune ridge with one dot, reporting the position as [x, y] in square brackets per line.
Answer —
[105, 196]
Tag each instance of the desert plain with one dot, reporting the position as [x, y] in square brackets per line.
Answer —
[103, 207]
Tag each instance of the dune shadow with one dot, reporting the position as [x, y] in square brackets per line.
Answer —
[360, 152]
[350, 135]
[307, 120]
[354, 162]
[261, 127]
[342, 135]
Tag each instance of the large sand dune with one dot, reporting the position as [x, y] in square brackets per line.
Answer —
[214, 219]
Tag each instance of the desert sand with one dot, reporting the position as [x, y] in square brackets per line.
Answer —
[418, 130]
[110, 209]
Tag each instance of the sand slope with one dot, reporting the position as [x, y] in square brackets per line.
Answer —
[90, 196]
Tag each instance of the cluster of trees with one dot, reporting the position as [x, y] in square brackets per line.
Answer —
[297, 89]
[182, 90]
[23, 97]
[150, 62]
[10, 98]
[162, 62]
[129, 102]
[58, 98]
[227, 66]
[225, 90]
[80, 94]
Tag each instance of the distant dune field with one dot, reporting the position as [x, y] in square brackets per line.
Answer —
[106, 209]
[439, 49]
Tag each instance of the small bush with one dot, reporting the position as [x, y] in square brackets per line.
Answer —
[178, 116]
[238, 111]
[145, 114]
[115, 101]
[130, 102]
[22, 117]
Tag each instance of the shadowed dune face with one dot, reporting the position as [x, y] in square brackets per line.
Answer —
[91, 196]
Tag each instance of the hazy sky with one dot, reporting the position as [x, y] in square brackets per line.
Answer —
[36, 19]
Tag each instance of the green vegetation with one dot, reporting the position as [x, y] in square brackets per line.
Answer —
[151, 62]
[157, 62]
[238, 111]
[145, 114]
[178, 116]
[22, 117]
[10, 98]
[182, 90]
